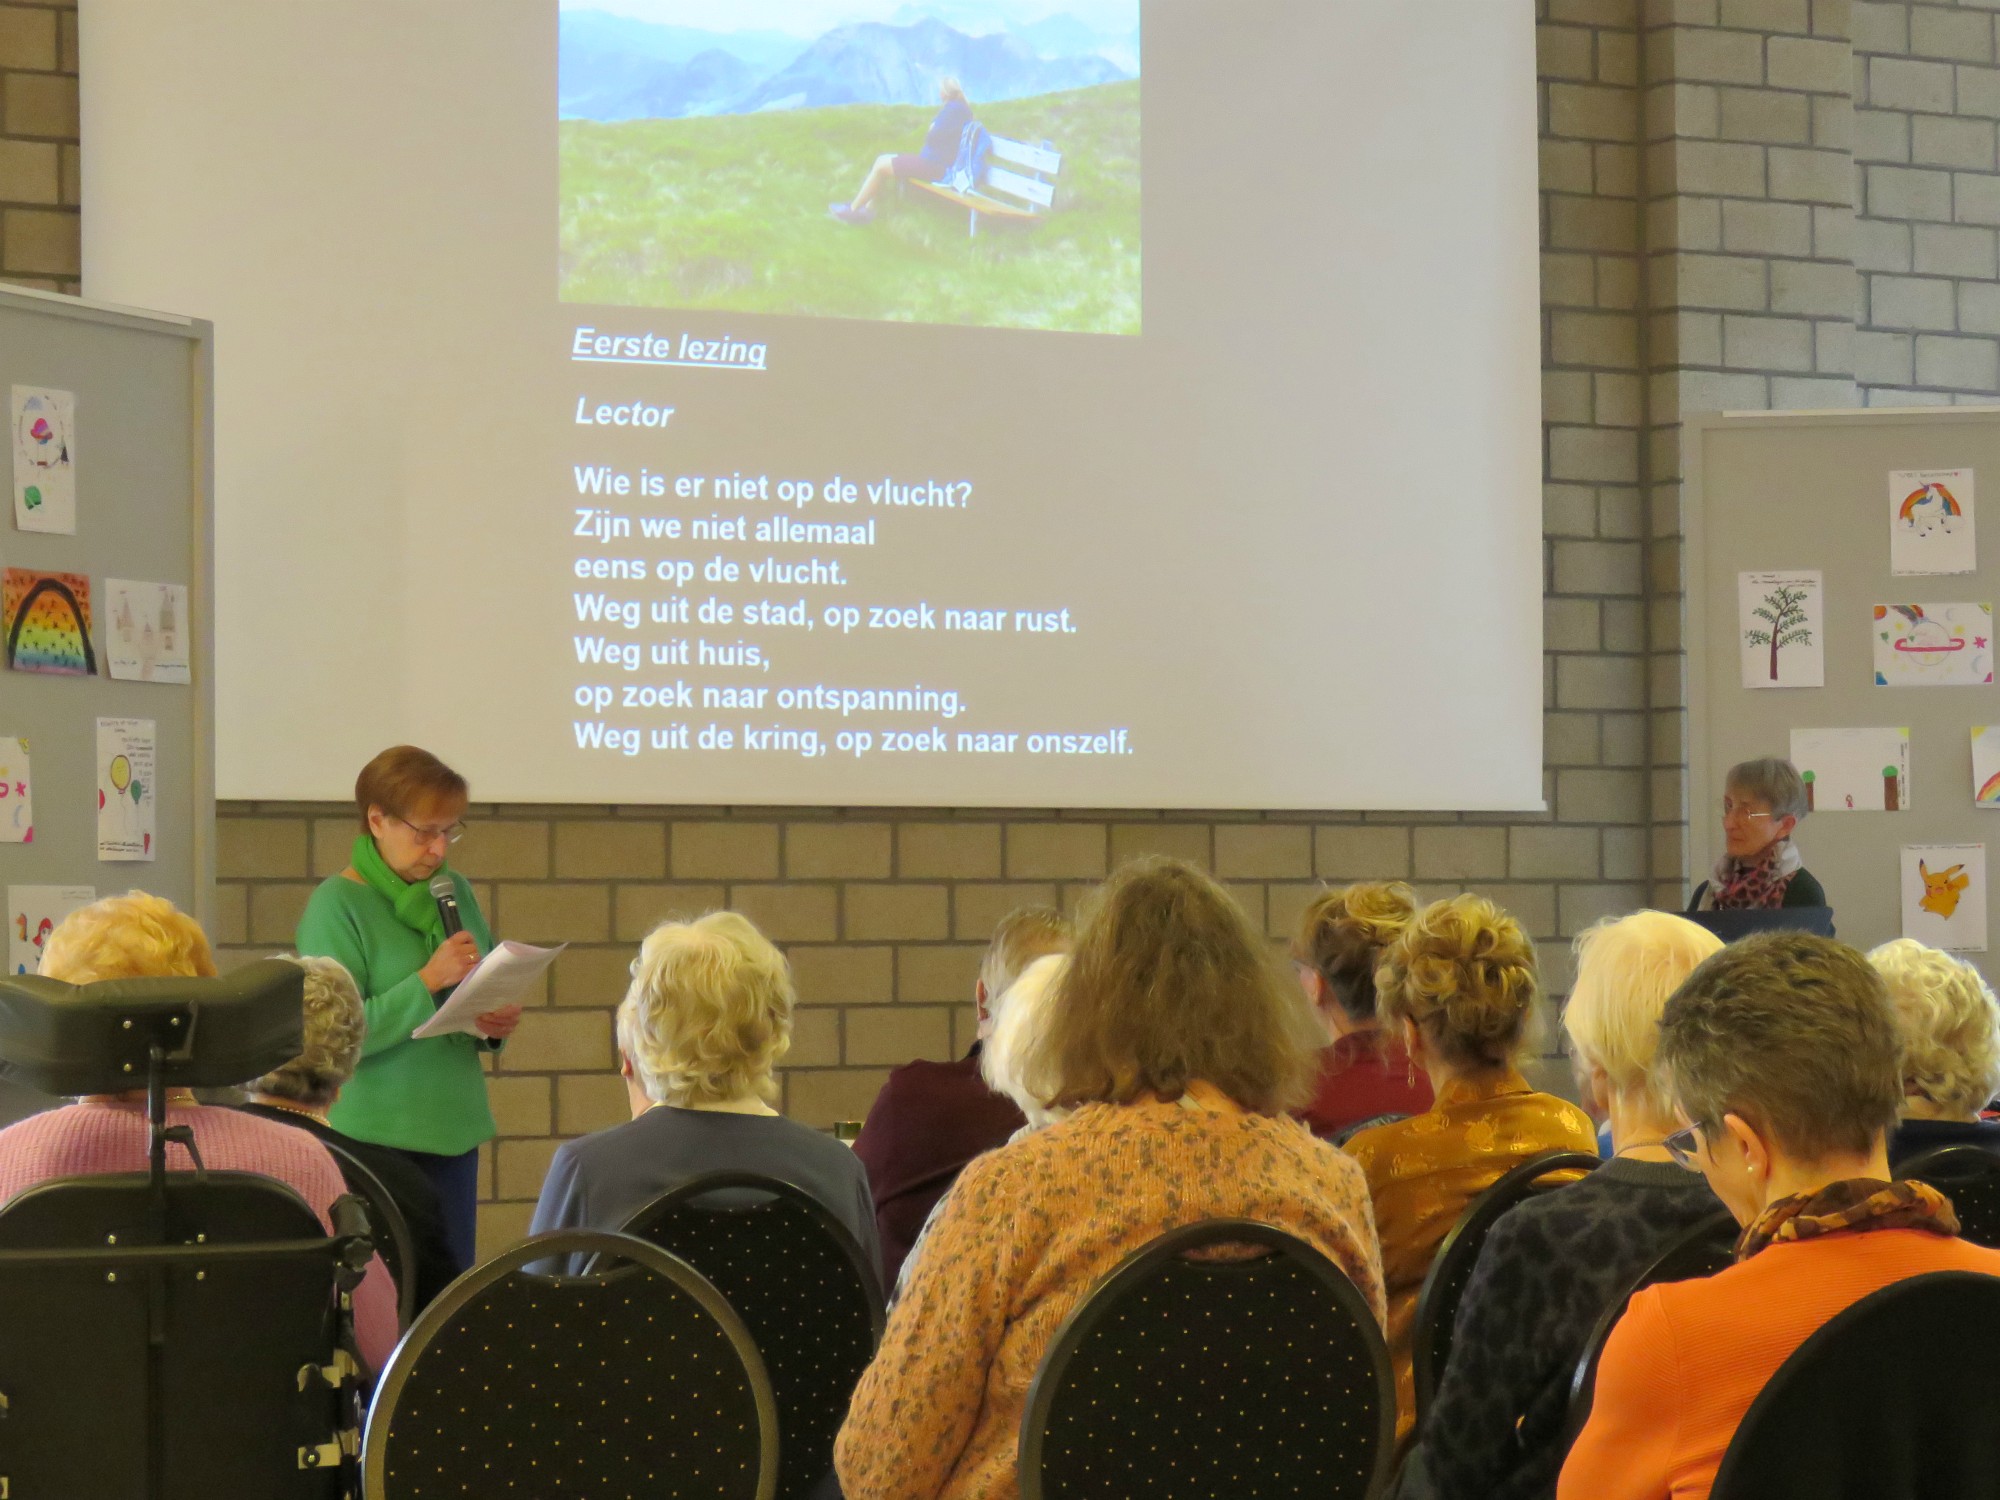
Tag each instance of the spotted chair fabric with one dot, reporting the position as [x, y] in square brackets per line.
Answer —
[618, 1386]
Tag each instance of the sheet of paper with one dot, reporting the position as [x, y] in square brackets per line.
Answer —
[1930, 522]
[32, 914]
[1854, 770]
[1986, 765]
[44, 427]
[1944, 896]
[125, 791]
[1933, 645]
[1781, 629]
[502, 977]
[17, 797]
[147, 635]
[45, 619]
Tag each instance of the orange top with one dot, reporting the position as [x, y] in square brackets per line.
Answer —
[1024, 1234]
[1688, 1357]
[1425, 1171]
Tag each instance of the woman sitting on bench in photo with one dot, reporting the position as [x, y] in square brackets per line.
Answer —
[929, 165]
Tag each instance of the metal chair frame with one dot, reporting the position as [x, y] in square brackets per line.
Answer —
[601, 1246]
[388, 1224]
[1105, 1298]
[1437, 1301]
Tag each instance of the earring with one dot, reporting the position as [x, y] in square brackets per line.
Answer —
[1411, 1075]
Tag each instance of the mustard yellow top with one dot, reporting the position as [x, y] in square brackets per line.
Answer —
[1424, 1171]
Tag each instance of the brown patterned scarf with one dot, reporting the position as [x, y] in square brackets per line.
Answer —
[1850, 1207]
[1758, 884]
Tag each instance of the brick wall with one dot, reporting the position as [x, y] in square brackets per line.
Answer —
[1721, 227]
[39, 159]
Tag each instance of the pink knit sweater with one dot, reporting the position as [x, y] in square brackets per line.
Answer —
[81, 1140]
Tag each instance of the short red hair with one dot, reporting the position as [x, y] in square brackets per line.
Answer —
[401, 777]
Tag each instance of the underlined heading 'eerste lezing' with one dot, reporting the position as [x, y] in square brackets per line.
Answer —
[726, 353]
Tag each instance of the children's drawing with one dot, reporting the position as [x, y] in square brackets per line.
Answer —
[1930, 522]
[148, 636]
[45, 620]
[1986, 765]
[44, 426]
[1944, 896]
[1854, 770]
[1933, 645]
[126, 795]
[33, 912]
[1780, 629]
[17, 805]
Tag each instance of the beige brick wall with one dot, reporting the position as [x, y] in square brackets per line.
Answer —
[40, 161]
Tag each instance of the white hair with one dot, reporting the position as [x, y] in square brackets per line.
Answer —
[1949, 1023]
[1020, 1009]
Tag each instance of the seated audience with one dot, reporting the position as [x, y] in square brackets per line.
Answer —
[1762, 802]
[137, 936]
[304, 1089]
[1950, 1026]
[1553, 1265]
[707, 1017]
[1363, 1075]
[1180, 1052]
[1783, 1052]
[931, 1118]
[1459, 983]
[1023, 1011]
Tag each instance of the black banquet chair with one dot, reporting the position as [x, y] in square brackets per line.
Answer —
[1187, 1376]
[1970, 1177]
[387, 1228]
[633, 1380]
[1702, 1250]
[1451, 1272]
[1892, 1399]
[803, 1287]
[171, 1334]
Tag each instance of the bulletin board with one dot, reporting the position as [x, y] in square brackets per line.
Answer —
[138, 437]
[1788, 495]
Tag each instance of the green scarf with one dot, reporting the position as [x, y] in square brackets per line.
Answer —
[415, 907]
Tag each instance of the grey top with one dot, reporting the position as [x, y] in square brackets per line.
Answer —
[599, 1181]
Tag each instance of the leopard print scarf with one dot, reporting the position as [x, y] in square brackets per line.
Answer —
[1757, 884]
[1850, 1207]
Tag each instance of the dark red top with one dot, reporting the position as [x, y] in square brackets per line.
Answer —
[1361, 1076]
[930, 1119]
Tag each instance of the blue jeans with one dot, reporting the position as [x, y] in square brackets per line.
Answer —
[456, 1179]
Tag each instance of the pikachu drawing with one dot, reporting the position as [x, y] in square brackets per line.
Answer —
[1942, 890]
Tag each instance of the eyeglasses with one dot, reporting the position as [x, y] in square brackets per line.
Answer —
[1682, 1145]
[1739, 810]
[451, 834]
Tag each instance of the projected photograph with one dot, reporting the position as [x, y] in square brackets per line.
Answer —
[971, 162]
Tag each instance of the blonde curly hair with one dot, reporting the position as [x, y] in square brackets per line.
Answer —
[708, 1013]
[335, 1027]
[133, 936]
[1343, 933]
[1463, 972]
[1949, 1022]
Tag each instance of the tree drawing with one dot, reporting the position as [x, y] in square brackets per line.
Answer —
[1783, 611]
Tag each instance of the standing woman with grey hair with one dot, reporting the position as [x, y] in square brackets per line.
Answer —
[302, 1091]
[1763, 801]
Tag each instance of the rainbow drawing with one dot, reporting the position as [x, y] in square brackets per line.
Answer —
[45, 621]
[1989, 794]
[1917, 496]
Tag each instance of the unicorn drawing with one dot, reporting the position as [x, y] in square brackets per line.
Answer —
[1929, 509]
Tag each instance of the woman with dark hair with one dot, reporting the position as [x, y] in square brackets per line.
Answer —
[928, 165]
[1179, 1052]
[1364, 1077]
[425, 1097]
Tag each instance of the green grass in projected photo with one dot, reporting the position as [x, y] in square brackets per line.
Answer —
[729, 211]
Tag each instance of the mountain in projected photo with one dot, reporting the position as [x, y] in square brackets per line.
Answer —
[620, 68]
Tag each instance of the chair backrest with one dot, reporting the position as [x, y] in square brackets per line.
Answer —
[1444, 1284]
[1893, 1399]
[78, 1366]
[1701, 1250]
[801, 1284]
[1970, 1177]
[635, 1379]
[1186, 1374]
[390, 1230]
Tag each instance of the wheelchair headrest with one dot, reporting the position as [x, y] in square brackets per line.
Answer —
[94, 1038]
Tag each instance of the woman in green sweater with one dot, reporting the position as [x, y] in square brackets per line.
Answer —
[426, 1099]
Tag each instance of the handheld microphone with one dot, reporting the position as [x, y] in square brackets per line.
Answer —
[446, 896]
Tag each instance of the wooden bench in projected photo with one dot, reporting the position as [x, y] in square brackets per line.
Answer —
[1002, 193]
